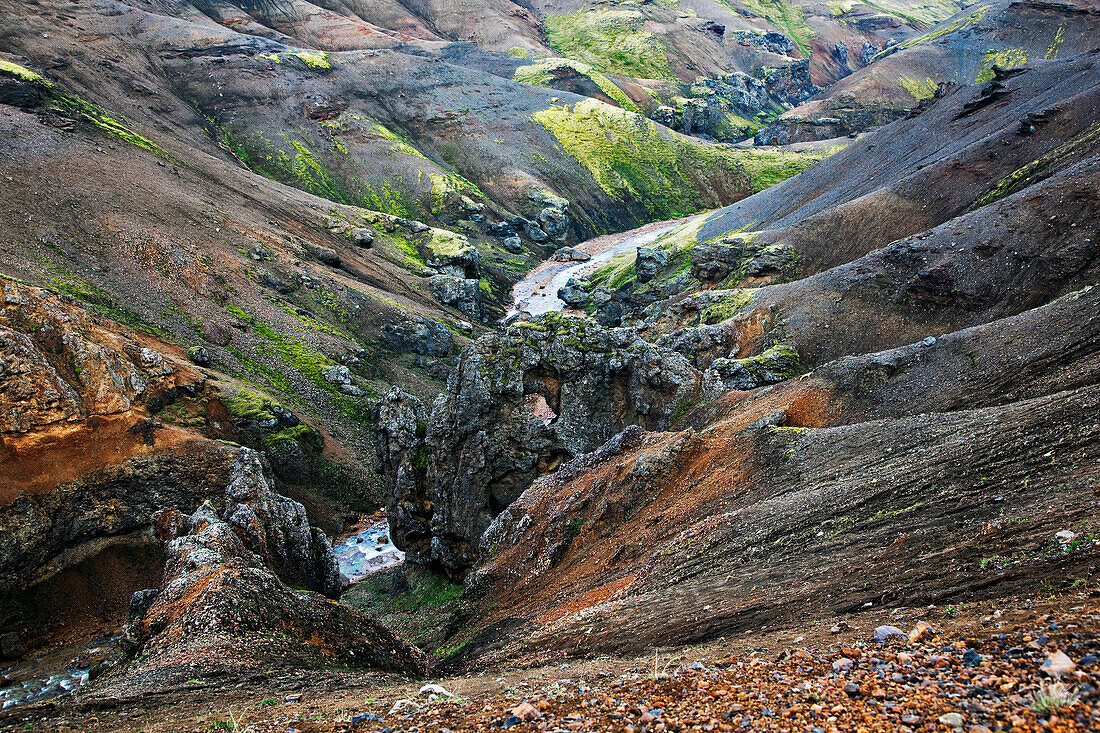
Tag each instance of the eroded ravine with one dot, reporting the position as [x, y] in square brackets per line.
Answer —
[537, 292]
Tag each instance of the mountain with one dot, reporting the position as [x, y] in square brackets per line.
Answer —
[633, 352]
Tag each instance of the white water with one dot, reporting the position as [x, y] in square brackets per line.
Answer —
[366, 552]
[538, 292]
[54, 673]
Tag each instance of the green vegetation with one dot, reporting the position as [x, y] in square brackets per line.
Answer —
[727, 305]
[1008, 58]
[75, 108]
[1028, 174]
[736, 127]
[1052, 696]
[573, 526]
[789, 19]
[401, 144]
[918, 89]
[447, 185]
[919, 16]
[629, 157]
[301, 170]
[419, 613]
[544, 72]
[249, 405]
[316, 60]
[65, 283]
[614, 41]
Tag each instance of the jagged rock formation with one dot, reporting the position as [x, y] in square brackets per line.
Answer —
[277, 529]
[518, 404]
[222, 600]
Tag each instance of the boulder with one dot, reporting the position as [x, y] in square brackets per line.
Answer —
[777, 364]
[340, 377]
[554, 221]
[513, 244]
[464, 294]
[571, 254]
[419, 335]
[200, 355]
[362, 237]
[572, 294]
[533, 231]
[327, 255]
[648, 263]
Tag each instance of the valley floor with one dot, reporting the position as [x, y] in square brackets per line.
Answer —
[996, 665]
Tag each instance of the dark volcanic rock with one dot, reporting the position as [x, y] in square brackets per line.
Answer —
[419, 335]
[649, 262]
[518, 404]
[572, 294]
[277, 529]
[460, 293]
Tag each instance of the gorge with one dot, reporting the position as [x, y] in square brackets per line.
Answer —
[370, 365]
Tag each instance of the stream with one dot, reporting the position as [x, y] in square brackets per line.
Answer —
[367, 551]
[55, 672]
[537, 293]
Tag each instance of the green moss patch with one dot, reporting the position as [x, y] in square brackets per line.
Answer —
[629, 156]
[1008, 58]
[1033, 171]
[917, 88]
[613, 41]
[544, 72]
[76, 108]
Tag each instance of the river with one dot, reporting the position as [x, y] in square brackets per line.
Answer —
[538, 292]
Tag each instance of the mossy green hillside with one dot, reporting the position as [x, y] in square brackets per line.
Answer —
[788, 18]
[612, 40]
[544, 72]
[78, 109]
[629, 156]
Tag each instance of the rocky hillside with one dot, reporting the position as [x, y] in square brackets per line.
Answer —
[961, 50]
[845, 387]
[257, 261]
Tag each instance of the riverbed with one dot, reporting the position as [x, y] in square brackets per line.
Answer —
[367, 551]
[537, 293]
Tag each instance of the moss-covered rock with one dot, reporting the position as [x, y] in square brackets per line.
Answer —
[777, 364]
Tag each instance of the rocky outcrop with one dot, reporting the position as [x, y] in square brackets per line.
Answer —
[277, 529]
[60, 363]
[649, 262]
[573, 294]
[42, 534]
[777, 364]
[738, 258]
[419, 335]
[461, 293]
[222, 601]
[402, 426]
[519, 404]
